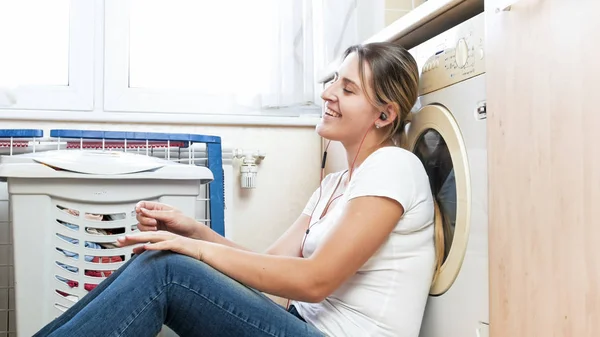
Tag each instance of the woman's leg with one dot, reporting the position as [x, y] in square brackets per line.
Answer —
[66, 316]
[189, 296]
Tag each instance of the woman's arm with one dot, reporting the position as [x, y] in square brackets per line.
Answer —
[365, 224]
[363, 228]
[153, 216]
[205, 233]
[288, 244]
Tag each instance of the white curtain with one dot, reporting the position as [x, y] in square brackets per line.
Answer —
[254, 54]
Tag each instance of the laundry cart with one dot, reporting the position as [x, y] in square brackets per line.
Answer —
[12, 141]
[69, 205]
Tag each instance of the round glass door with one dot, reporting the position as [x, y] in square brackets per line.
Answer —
[433, 152]
[434, 137]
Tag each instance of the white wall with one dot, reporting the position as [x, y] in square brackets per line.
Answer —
[336, 157]
[286, 178]
[395, 9]
[371, 17]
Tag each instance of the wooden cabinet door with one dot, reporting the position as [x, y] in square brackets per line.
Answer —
[543, 108]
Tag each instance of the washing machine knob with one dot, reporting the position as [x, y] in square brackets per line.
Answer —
[462, 53]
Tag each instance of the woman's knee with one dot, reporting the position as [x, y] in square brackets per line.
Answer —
[175, 267]
[154, 257]
[160, 260]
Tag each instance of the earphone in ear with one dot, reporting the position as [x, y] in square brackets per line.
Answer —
[383, 116]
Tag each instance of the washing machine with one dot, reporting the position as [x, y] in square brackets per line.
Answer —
[447, 131]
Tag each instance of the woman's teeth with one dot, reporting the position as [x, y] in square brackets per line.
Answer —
[332, 113]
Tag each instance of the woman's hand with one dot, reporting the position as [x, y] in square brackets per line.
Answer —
[154, 216]
[163, 240]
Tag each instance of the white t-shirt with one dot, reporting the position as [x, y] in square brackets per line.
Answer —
[387, 295]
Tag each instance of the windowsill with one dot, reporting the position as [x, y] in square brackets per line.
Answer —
[158, 118]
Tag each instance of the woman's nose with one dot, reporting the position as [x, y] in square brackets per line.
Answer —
[328, 94]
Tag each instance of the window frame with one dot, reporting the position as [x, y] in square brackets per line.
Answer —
[92, 84]
[79, 94]
[118, 96]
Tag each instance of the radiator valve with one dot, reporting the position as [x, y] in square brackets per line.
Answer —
[249, 166]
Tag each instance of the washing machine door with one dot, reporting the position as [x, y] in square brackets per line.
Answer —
[434, 136]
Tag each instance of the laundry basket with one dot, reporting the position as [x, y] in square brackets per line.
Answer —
[68, 208]
[12, 141]
[192, 149]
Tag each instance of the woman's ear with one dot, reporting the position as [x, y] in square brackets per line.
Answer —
[391, 111]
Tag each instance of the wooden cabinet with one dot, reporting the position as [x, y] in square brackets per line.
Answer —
[543, 83]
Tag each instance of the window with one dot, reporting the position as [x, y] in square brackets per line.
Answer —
[171, 59]
[24, 63]
[198, 45]
[47, 53]
[213, 57]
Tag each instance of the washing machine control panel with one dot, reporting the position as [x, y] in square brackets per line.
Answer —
[462, 59]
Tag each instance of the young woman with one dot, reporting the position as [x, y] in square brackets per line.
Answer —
[359, 260]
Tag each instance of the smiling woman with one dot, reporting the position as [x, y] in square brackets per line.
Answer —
[198, 282]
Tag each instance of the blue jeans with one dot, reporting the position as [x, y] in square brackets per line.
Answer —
[189, 296]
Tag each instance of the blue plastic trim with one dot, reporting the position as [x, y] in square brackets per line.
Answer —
[216, 188]
[122, 135]
[21, 133]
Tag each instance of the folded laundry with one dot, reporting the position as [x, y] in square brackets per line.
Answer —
[75, 241]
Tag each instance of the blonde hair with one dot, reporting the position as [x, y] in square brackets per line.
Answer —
[395, 80]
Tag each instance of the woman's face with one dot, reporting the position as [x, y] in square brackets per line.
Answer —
[348, 114]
